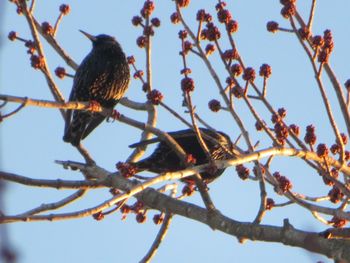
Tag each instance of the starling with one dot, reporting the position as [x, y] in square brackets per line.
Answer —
[164, 159]
[103, 77]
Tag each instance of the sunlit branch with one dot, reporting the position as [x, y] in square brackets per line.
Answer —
[58, 183]
[56, 205]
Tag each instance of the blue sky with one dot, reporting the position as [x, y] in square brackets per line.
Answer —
[32, 139]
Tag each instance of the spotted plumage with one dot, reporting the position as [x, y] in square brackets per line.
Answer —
[103, 76]
[164, 159]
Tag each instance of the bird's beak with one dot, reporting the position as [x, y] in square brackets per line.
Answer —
[91, 37]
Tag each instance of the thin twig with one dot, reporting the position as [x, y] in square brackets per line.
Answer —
[284, 204]
[45, 69]
[59, 18]
[160, 236]
[319, 209]
[319, 218]
[54, 44]
[264, 87]
[84, 152]
[323, 93]
[32, 6]
[195, 126]
[262, 98]
[312, 14]
[214, 76]
[340, 95]
[116, 208]
[152, 114]
[285, 30]
[262, 186]
[312, 199]
[203, 190]
[56, 205]
[57, 184]
[13, 112]
[173, 112]
[139, 106]
[263, 194]
[165, 225]
[335, 83]
[148, 57]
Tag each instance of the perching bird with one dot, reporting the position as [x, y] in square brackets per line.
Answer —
[164, 159]
[103, 77]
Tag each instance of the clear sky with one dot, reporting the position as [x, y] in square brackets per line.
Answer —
[32, 139]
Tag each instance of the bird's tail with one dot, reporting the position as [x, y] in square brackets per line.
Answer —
[72, 136]
[81, 125]
[75, 128]
[68, 137]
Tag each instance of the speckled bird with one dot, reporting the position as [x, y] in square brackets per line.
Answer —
[103, 76]
[164, 159]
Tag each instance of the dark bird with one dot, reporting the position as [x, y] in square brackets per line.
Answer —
[102, 77]
[164, 159]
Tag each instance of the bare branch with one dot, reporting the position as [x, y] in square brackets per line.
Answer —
[56, 205]
[58, 184]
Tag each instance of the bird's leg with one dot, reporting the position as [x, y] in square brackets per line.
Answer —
[115, 115]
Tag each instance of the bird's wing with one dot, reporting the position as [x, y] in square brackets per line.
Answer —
[78, 93]
[175, 135]
[96, 119]
[69, 114]
[78, 82]
[76, 128]
[67, 120]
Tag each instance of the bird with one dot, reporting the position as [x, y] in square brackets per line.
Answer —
[103, 77]
[164, 159]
